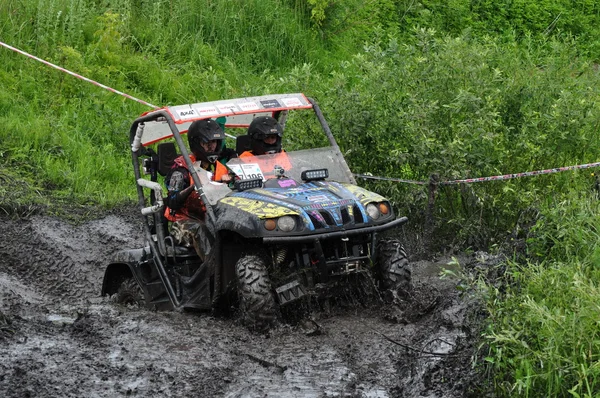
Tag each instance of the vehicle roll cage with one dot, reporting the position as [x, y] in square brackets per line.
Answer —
[166, 115]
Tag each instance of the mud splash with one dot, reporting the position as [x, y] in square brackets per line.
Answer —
[59, 338]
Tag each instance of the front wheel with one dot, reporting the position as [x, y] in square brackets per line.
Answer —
[392, 267]
[256, 301]
[130, 293]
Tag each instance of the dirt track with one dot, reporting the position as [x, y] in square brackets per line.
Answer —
[58, 338]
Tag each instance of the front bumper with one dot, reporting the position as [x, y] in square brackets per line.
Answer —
[336, 234]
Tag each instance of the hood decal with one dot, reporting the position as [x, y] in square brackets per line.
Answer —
[365, 197]
[320, 204]
[260, 208]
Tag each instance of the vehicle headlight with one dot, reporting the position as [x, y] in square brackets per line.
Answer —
[373, 211]
[286, 223]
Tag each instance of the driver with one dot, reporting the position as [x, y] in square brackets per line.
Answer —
[265, 139]
[182, 205]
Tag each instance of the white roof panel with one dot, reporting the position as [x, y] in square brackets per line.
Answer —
[238, 112]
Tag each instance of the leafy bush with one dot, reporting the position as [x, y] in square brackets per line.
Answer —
[465, 107]
[541, 19]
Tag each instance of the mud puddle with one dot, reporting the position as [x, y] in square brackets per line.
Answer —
[58, 338]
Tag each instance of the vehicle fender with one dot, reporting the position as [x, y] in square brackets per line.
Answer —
[242, 222]
[363, 195]
[114, 274]
[122, 265]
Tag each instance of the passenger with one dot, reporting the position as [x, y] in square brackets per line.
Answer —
[265, 139]
[183, 206]
[226, 153]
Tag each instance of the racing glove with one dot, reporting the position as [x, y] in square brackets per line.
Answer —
[176, 199]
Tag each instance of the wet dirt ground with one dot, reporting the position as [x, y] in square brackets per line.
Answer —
[59, 338]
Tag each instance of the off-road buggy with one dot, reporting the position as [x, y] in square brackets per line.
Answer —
[276, 236]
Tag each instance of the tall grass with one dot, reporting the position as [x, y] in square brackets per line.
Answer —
[543, 332]
[72, 136]
[456, 106]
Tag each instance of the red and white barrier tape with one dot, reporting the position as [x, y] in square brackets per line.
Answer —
[77, 76]
[482, 179]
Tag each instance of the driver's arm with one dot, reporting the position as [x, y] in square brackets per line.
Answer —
[179, 189]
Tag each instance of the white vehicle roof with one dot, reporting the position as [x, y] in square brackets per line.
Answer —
[238, 112]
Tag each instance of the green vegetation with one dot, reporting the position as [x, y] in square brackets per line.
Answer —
[468, 107]
[543, 330]
[411, 88]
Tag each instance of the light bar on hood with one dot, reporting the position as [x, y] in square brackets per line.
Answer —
[242, 185]
[314, 175]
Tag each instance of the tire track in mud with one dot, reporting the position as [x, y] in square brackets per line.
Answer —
[62, 260]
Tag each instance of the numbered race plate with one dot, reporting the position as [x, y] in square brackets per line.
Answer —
[247, 171]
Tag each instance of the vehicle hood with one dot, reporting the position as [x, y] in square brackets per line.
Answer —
[320, 205]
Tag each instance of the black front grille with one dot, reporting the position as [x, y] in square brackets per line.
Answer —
[346, 218]
[358, 216]
[316, 222]
[326, 219]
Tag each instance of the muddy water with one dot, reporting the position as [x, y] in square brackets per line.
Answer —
[58, 338]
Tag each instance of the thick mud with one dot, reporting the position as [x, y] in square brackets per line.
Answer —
[59, 338]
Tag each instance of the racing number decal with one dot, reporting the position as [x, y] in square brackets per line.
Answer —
[247, 171]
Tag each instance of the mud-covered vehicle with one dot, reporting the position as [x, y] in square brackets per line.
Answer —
[292, 227]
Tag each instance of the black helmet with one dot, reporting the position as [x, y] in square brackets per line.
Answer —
[259, 129]
[202, 131]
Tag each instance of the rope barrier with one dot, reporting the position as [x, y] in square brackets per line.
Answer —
[370, 177]
[77, 76]
[483, 179]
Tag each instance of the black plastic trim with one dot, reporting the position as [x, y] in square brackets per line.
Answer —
[358, 231]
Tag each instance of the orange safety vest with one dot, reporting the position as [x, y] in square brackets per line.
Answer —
[268, 162]
[193, 203]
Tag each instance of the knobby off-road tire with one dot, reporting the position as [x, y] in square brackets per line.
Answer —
[130, 294]
[256, 302]
[392, 267]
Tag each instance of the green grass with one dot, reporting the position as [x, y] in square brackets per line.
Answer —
[543, 332]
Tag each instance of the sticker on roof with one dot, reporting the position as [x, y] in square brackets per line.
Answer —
[270, 103]
[249, 106]
[288, 102]
[208, 111]
[187, 114]
[227, 108]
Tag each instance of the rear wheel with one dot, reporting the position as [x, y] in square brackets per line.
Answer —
[257, 305]
[130, 293]
[392, 267]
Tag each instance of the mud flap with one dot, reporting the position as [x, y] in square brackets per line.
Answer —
[196, 291]
[290, 292]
